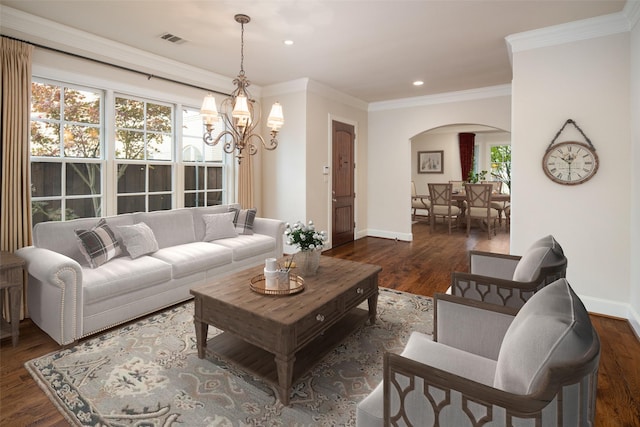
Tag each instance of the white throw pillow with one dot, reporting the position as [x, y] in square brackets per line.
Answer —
[219, 226]
[138, 239]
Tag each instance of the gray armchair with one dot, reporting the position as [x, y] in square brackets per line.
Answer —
[493, 365]
[510, 280]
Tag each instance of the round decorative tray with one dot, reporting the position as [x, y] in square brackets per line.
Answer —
[258, 284]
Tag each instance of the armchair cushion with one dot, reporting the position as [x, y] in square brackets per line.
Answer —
[423, 349]
[552, 328]
[542, 253]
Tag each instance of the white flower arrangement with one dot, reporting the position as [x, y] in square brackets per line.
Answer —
[305, 237]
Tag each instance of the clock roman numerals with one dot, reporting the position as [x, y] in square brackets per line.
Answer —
[570, 163]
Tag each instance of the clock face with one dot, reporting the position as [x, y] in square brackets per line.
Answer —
[570, 163]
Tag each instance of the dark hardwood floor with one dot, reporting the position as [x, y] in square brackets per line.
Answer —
[423, 267]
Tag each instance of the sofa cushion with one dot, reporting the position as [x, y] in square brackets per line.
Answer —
[194, 257]
[99, 244]
[138, 239]
[542, 253]
[171, 228]
[243, 220]
[552, 328]
[248, 246]
[219, 226]
[122, 275]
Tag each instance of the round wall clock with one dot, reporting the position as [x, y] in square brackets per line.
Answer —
[570, 163]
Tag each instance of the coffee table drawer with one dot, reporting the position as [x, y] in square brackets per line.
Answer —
[359, 293]
[309, 325]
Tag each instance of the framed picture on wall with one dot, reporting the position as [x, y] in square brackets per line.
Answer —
[430, 161]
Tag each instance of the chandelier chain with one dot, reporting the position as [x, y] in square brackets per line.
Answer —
[242, 48]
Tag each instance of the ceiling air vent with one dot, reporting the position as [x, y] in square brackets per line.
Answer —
[172, 38]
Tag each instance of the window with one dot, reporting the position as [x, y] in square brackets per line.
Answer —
[66, 152]
[77, 171]
[203, 164]
[501, 165]
[144, 151]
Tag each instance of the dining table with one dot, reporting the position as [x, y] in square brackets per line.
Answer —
[460, 197]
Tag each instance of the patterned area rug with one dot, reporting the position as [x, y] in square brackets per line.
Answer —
[148, 374]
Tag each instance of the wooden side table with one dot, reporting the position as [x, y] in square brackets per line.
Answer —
[11, 276]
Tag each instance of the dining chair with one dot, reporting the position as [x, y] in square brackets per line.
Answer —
[499, 206]
[458, 186]
[478, 198]
[442, 205]
[418, 202]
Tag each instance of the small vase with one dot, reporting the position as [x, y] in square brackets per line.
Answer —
[308, 262]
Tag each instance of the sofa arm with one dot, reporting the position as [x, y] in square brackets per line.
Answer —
[464, 324]
[54, 292]
[271, 227]
[493, 264]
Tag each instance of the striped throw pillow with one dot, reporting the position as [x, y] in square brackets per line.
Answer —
[99, 244]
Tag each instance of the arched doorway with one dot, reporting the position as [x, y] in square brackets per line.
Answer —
[490, 155]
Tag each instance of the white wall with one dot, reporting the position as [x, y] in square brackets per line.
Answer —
[303, 152]
[283, 180]
[634, 254]
[391, 128]
[587, 81]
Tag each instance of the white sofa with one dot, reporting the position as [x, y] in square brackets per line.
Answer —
[69, 300]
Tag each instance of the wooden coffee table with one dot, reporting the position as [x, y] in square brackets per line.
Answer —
[297, 329]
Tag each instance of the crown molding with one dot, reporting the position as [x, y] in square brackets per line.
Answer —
[337, 96]
[293, 86]
[307, 85]
[632, 10]
[33, 29]
[599, 26]
[443, 98]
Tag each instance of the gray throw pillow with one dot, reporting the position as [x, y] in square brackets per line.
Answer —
[219, 226]
[138, 239]
[99, 244]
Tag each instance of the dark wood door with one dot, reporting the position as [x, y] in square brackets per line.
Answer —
[343, 183]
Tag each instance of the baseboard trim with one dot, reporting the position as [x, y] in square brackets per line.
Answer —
[406, 237]
[613, 309]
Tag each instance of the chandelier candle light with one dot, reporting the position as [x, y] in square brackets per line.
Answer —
[241, 114]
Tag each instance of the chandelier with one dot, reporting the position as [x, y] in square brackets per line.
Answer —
[241, 114]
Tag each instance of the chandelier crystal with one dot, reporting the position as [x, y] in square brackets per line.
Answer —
[240, 113]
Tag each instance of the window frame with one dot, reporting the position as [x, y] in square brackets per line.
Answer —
[62, 158]
[109, 91]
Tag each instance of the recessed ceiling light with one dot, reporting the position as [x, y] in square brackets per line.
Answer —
[288, 42]
[418, 83]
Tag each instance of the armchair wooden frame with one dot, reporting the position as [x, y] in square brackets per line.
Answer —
[499, 288]
[483, 404]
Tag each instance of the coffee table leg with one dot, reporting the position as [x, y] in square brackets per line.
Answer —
[373, 308]
[284, 365]
[202, 329]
